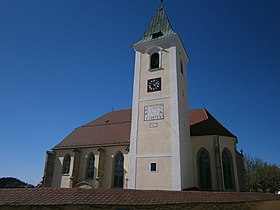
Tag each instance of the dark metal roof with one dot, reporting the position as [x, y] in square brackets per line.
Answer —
[203, 123]
[159, 27]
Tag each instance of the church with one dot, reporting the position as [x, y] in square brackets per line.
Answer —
[158, 144]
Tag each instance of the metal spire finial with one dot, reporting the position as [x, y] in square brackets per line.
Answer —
[161, 3]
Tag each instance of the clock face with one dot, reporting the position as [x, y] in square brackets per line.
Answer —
[154, 84]
[153, 112]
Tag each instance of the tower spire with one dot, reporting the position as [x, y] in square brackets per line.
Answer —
[159, 27]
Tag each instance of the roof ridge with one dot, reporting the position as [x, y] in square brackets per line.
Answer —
[118, 110]
[103, 116]
[120, 122]
[196, 109]
[219, 123]
[206, 112]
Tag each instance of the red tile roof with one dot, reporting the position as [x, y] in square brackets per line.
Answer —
[113, 197]
[110, 129]
[203, 123]
[113, 128]
[197, 116]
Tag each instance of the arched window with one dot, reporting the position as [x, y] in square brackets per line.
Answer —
[181, 67]
[66, 164]
[90, 166]
[154, 60]
[228, 170]
[204, 170]
[118, 170]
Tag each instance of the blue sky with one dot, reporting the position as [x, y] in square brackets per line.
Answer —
[64, 63]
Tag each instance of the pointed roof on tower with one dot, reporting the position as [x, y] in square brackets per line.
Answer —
[159, 27]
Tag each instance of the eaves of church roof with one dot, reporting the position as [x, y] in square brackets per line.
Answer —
[113, 129]
[159, 27]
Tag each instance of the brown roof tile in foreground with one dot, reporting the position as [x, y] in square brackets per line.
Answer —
[113, 197]
[113, 128]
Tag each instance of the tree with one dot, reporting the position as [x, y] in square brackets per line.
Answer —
[10, 182]
[261, 176]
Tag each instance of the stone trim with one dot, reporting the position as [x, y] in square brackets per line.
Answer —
[216, 145]
[101, 168]
[134, 123]
[76, 167]
[49, 169]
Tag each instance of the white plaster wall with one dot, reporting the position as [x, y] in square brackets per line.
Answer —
[159, 180]
[110, 153]
[59, 179]
[83, 164]
[62, 180]
[134, 123]
[156, 140]
[206, 142]
[151, 144]
[183, 118]
[230, 143]
[145, 74]
[170, 138]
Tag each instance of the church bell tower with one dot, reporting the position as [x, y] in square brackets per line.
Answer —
[160, 145]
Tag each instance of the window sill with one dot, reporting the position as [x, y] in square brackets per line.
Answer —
[117, 188]
[155, 69]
